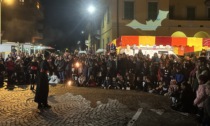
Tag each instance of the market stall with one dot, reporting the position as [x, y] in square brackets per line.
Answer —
[179, 45]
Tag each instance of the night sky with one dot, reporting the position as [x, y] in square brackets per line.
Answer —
[63, 21]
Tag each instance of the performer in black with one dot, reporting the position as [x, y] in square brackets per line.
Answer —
[42, 88]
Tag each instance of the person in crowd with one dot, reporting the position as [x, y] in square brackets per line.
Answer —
[193, 80]
[111, 64]
[26, 62]
[145, 70]
[187, 67]
[33, 70]
[202, 68]
[200, 96]
[10, 69]
[1, 58]
[68, 68]
[128, 82]
[122, 64]
[107, 83]
[159, 88]
[120, 81]
[99, 78]
[173, 92]
[166, 73]
[90, 65]
[19, 71]
[54, 79]
[82, 80]
[179, 75]
[114, 83]
[185, 100]
[42, 88]
[61, 69]
[138, 83]
[147, 84]
[164, 89]
[206, 107]
[155, 62]
[2, 71]
[91, 82]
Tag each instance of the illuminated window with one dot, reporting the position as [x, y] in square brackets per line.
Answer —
[128, 9]
[37, 5]
[21, 2]
[152, 10]
[190, 13]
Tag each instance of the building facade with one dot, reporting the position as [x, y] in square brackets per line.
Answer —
[176, 18]
[21, 20]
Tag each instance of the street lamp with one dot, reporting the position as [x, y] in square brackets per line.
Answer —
[91, 9]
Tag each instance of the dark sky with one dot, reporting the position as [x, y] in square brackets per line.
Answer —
[64, 20]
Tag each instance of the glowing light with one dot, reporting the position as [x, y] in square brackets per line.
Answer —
[37, 5]
[9, 2]
[77, 64]
[91, 9]
[69, 83]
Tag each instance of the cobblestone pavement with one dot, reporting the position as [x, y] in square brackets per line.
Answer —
[83, 106]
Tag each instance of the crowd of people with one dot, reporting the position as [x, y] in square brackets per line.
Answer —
[186, 81]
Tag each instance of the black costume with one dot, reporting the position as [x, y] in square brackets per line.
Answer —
[42, 88]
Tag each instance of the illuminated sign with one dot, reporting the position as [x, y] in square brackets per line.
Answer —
[150, 25]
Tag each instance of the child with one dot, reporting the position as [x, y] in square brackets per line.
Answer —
[147, 84]
[114, 83]
[54, 79]
[81, 80]
[138, 84]
[173, 92]
[159, 88]
[91, 82]
[107, 83]
[120, 82]
[128, 82]
[164, 89]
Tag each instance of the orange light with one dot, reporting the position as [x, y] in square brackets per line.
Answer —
[69, 83]
[77, 64]
[37, 5]
[9, 2]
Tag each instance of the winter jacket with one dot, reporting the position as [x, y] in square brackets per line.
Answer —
[200, 95]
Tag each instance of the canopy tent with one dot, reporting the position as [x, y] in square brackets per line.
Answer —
[180, 45]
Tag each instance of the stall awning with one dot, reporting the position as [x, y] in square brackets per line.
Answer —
[178, 41]
[206, 42]
[129, 40]
[163, 41]
[147, 40]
